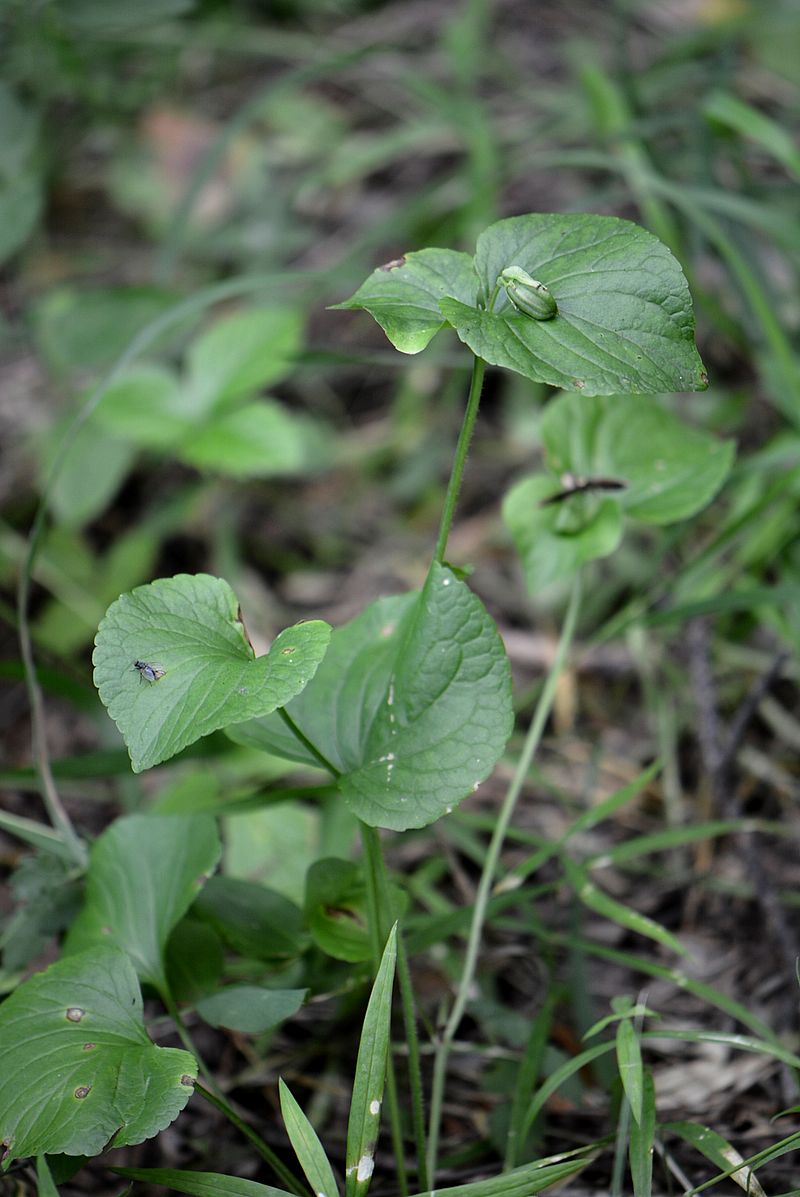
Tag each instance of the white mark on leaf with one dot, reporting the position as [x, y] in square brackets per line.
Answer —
[374, 1108]
[366, 1166]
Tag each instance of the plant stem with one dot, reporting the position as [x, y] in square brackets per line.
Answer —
[374, 852]
[462, 448]
[283, 1173]
[307, 744]
[540, 716]
[377, 914]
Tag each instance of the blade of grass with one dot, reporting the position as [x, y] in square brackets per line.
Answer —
[642, 1139]
[370, 1075]
[307, 1147]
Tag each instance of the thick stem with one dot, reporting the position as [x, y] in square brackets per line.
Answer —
[462, 449]
[540, 716]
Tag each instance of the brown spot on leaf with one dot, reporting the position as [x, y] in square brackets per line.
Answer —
[579, 383]
[187, 1080]
[83, 1091]
[287, 652]
[393, 265]
[87, 1047]
[75, 1014]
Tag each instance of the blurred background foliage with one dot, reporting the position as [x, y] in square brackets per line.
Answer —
[149, 150]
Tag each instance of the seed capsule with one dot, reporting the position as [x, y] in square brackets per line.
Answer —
[527, 294]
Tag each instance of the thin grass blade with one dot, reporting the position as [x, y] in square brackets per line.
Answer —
[307, 1147]
[373, 1050]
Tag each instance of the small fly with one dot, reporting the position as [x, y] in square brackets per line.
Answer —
[574, 485]
[147, 672]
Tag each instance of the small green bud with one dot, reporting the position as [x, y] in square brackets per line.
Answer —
[527, 294]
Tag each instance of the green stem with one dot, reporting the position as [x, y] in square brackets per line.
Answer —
[185, 1036]
[414, 1066]
[283, 1173]
[307, 744]
[462, 449]
[377, 915]
[540, 716]
[377, 864]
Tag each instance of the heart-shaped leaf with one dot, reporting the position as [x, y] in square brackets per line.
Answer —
[253, 920]
[624, 314]
[550, 547]
[623, 456]
[144, 873]
[173, 663]
[624, 319]
[412, 705]
[669, 469]
[403, 296]
[79, 1070]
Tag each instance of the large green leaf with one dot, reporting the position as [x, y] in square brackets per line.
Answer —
[664, 470]
[250, 1008]
[147, 407]
[253, 920]
[241, 353]
[144, 873]
[624, 319]
[79, 1070]
[669, 469]
[89, 476]
[403, 296]
[336, 909]
[550, 546]
[203, 672]
[260, 440]
[412, 705]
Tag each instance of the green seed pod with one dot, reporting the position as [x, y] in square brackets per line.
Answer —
[527, 294]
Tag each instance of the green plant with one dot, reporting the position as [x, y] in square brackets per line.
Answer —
[405, 711]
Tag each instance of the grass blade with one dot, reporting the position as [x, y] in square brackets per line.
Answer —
[201, 1184]
[642, 1135]
[307, 1147]
[629, 1062]
[373, 1050]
